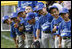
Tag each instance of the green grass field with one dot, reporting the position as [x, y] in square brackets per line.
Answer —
[5, 43]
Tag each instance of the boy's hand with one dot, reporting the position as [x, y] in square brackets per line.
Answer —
[16, 25]
[21, 28]
[54, 29]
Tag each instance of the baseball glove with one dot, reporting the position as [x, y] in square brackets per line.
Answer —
[35, 44]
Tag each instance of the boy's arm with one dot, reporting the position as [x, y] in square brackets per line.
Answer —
[38, 30]
[38, 33]
[51, 26]
[60, 38]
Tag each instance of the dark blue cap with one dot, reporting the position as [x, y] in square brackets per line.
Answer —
[29, 16]
[14, 15]
[39, 7]
[64, 10]
[5, 18]
[20, 9]
[40, 3]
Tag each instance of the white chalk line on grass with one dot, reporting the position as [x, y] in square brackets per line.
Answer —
[6, 37]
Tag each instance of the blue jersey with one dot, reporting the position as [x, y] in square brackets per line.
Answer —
[45, 22]
[28, 27]
[12, 30]
[27, 3]
[35, 27]
[65, 28]
[56, 22]
[36, 16]
[21, 23]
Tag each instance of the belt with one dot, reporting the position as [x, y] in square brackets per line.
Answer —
[29, 32]
[66, 37]
[47, 31]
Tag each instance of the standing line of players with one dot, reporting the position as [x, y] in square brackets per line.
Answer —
[35, 25]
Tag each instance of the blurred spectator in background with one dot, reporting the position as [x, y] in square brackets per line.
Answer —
[49, 3]
[27, 3]
[67, 4]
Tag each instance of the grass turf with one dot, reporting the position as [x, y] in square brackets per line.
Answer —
[6, 43]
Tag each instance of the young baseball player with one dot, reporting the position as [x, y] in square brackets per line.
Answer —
[19, 29]
[29, 9]
[20, 11]
[28, 27]
[7, 20]
[65, 29]
[36, 28]
[35, 10]
[45, 22]
[55, 22]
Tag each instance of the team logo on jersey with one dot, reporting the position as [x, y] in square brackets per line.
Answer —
[28, 27]
[63, 34]
[45, 25]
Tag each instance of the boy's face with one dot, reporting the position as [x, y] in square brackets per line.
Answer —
[28, 9]
[16, 19]
[54, 12]
[42, 11]
[65, 16]
[24, 14]
[31, 21]
[8, 21]
[20, 14]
